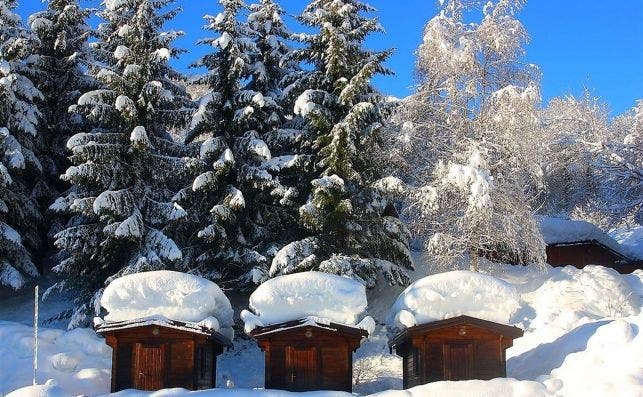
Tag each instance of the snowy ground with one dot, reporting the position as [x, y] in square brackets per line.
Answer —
[582, 337]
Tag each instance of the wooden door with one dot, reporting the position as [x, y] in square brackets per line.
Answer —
[301, 369]
[149, 367]
[458, 363]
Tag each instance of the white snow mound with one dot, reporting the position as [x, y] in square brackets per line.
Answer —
[452, 294]
[307, 294]
[173, 295]
[79, 361]
[610, 364]
[49, 389]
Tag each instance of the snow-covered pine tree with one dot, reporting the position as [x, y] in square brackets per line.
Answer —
[350, 229]
[272, 64]
[234, 164]
[60, 59]
[20, 170]
[126, 167]
[471, 135]
[61, 62]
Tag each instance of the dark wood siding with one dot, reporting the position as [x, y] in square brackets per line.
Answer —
[457, 351]
[458, 360]
[434, 362]
[309, 358]
[301, 368]
[154, 357]
[182, 362]
[582, 254]
[148, 368]
[122, 373]
[205, 363]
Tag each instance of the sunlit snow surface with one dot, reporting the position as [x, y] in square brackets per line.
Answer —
[582, 337]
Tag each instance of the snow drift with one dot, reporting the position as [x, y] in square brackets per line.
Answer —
[453, 294]
[78, 360]
[49, 389]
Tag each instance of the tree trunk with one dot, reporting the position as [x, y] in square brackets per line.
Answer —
[474, 260]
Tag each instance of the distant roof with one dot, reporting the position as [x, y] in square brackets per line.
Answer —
[559, 231]
[105, 327]
[631, 239]
[306, 322]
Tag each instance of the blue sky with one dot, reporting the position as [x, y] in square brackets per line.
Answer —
[594, 44]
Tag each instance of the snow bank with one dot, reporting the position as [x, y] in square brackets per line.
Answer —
[453, 294]
[557, 230]
[610, 365]
[78, 360]
[569, 298]
[49, 389]
[495, 387]
[307, 294]
[173, 295]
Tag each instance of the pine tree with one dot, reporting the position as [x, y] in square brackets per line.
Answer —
[231, 199]
[126, 167]
[272, 65]
[347, 216]
[20, 169]
[60, 57]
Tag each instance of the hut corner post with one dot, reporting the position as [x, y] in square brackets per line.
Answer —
[35, 334]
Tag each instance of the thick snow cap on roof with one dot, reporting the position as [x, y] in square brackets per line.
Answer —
[559, 231]
[631, 240]
[322, 296]
[452, 294]
[173, 295]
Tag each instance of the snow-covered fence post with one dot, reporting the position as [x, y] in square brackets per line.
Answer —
[35, 335]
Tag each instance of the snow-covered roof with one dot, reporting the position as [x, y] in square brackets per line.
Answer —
[365, 328]
[631, 241]
[324, 297]
[452, 294]
[502, 329]
[209, 326]
[565, 231]
[166, 296]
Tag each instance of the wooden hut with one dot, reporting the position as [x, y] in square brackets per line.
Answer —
[582, 253]
[153, 354]
[579, 243]
[459, 348]
[308, 354]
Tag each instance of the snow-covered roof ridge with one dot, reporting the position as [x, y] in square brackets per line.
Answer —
[447, 295]
[364, 327]
[166, 298]
[209, 326]
[314, 298]
[560, 231]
